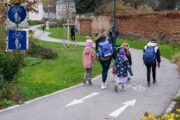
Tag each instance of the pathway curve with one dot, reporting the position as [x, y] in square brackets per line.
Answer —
[91, 103]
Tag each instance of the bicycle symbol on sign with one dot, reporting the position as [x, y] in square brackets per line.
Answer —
[17, 36]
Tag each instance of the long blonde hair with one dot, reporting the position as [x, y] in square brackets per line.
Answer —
[126, 47]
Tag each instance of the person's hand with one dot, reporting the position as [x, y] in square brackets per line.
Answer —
[158, 64]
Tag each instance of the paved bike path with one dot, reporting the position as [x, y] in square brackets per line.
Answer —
[103, 103]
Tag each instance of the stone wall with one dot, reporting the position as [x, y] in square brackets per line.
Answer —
[164, 26]
[96, 25]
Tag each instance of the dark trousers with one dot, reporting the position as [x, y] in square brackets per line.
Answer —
[105, 66]
[73, 36]
[149, 66]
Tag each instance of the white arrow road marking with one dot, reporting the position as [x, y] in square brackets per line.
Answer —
[117, 112]
[74, 102]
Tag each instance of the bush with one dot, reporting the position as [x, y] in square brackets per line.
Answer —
[9, 64]
[169, 116]
[2, 82]
[35, 22]
[176, 99]
[176, 58]
[7, 103]
[11, 92]
[60, 23]
[40, 52]
[107, 7]
[2, 38]
[30, 61]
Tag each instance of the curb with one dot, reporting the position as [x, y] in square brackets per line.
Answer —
[55, 93]
[172, 104]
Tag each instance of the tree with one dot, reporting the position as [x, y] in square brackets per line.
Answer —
[86, 6]
[167, 4]
[134, 3]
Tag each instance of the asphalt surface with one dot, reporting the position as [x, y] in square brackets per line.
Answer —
[102, 104]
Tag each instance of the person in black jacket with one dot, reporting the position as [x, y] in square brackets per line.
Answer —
[106, 62]
[73, 32]
[153, 44]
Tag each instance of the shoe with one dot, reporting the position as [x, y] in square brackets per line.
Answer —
[84, 81]
[123, 88]
[116, 88]
[148, 84]
[154, 81]
[103, 87]
[89, 82]
[129, 79]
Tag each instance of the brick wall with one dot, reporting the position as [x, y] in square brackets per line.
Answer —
[164, 26]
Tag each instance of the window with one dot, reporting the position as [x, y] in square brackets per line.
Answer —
[37, 12]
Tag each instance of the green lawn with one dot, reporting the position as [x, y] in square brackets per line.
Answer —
[167, 50]
[59, 34]
[52, 75]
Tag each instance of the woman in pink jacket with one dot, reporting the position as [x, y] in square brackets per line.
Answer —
[89, 56]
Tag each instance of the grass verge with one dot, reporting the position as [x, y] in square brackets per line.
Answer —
[166, 50]
[56, 74]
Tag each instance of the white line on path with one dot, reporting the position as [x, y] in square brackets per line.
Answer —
[117, 112]
[74, 102]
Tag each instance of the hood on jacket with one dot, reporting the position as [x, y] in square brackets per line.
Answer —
[152, 44]
[87, 51]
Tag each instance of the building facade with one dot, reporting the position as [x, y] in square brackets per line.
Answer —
[38, 14]
[62, 9]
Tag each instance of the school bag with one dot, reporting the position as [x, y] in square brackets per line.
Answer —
[105, 50]
[149, 55]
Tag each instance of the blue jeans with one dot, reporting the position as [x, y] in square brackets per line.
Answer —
[105, 66]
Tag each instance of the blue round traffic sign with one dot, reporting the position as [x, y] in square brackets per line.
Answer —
[17, 14]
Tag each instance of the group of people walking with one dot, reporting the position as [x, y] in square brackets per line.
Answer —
[121, 61]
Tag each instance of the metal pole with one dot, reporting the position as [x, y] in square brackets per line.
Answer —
[114, 33]
[68, 25]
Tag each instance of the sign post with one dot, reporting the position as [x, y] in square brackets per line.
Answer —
[17, 39]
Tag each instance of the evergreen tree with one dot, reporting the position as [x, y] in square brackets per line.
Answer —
[86, 6]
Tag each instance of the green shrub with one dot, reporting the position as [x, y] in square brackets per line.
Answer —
[60, 23]
[177, 99]
[40, 52]
[9, 64]
[35, 22]
[176, 58]
[2, 37]
[2, 82]
[7, 103]
[31, 61]
[11, 92]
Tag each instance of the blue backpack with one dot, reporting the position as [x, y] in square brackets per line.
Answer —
[149, 56]
[105, 49]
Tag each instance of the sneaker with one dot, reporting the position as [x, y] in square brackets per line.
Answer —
[154, 81]
[84, 81]
[129, 79]
[123, 88]
[103, 87]
[89, 82]
[148, 84]
[116, 88]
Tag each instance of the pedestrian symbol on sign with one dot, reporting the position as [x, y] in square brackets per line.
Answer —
[17, 14]
[17, 40]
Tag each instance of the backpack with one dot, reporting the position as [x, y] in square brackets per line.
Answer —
[149, 55]
[105, 50]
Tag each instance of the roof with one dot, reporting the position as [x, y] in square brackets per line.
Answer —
[49, 9]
